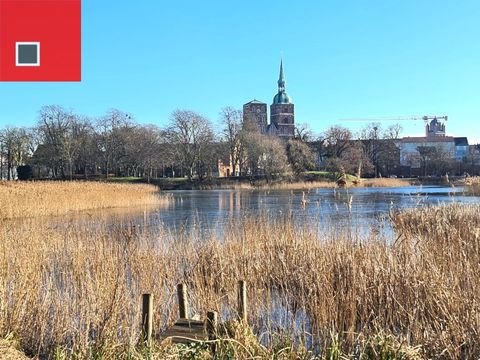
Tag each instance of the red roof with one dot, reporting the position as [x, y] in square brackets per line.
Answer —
[423, 139]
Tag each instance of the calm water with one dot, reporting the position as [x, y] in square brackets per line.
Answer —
[210, 210]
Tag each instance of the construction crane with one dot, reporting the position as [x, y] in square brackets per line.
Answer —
[425, 118]
[432, 126]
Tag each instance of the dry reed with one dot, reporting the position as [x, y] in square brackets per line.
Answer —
[305, 185]
[300, 185]
[76, 289]
[28, 199]
[273, 185]
[472, 185]
[384, 182]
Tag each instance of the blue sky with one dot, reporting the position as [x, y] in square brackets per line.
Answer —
[342, 59]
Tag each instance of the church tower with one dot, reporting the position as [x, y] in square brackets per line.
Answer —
[255, 115]
[282, 119]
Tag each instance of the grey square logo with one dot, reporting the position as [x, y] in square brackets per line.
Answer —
[28, 54]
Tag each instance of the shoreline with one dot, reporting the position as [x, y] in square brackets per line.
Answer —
[271, 184]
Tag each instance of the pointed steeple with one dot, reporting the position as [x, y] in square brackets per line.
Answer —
[281, 97]
[281, 78]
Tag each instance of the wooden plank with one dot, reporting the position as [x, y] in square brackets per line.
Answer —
[189, 322]
[185, 331]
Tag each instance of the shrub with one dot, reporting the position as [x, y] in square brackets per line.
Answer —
[24, 172]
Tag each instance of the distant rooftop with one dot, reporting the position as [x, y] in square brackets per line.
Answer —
[425, 139]
[461, 141]
[255, 101]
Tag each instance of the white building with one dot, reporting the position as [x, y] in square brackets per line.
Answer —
[434, 146]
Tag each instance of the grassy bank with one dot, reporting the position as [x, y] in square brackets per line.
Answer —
[75, 290]
[29, 199]
[304, 182]
[384, 182]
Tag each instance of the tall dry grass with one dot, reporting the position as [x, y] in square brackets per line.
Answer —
[28, 199]
[300, 185]
[275, 185]
[78, 288]
[384, 182]
[472, 185]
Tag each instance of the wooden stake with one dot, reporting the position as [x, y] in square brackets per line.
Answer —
[242, 300]
[212, 327]
[182, 301]
[147, 318]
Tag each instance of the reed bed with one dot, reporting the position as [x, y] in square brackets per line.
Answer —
[296, 185]
[74, 291]
[384, 182]
[273, 185]
[305, 185]
[472, 185]
[29, 199]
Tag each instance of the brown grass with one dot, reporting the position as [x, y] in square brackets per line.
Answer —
[9, 351]
[383, 182]
[28, 199]
[298, 185]
[305, 185]
[78, 287]
[472, 185]
[275, 185]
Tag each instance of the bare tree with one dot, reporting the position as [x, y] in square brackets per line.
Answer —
[336, 140]
[147, 141]
[381, 148]
[300, 156]
[112, 133]
[355, 160]
[55, 130]
[435, 160]
[192, 135]
[15, 148]
[86, 150]
[233, 136]
[273, 160]
[303, 132]
[393, 132]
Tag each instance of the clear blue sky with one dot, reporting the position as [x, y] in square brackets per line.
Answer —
[343, 59]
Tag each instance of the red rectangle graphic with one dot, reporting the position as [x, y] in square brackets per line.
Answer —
[40, 40]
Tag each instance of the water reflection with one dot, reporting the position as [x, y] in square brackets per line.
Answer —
[205, 212]
[363, 207]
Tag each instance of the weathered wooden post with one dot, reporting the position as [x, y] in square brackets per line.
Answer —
[242, 300]
[212, 326]
[182, 301]
[147, 318]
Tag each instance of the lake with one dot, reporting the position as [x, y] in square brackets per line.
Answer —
[211, 210]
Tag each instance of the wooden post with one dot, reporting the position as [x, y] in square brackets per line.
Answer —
[242, 300]
[212, 326]
[182, 301]
[147, 318]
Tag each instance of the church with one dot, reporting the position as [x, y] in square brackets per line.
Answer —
[282, 118]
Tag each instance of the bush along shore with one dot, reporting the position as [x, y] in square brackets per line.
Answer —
[74, 291]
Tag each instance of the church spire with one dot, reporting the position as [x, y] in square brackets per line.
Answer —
[281, 97]
[281, 78]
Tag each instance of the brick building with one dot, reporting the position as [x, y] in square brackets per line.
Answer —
[282, 113]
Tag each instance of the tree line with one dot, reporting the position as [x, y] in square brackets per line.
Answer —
[65, 145]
